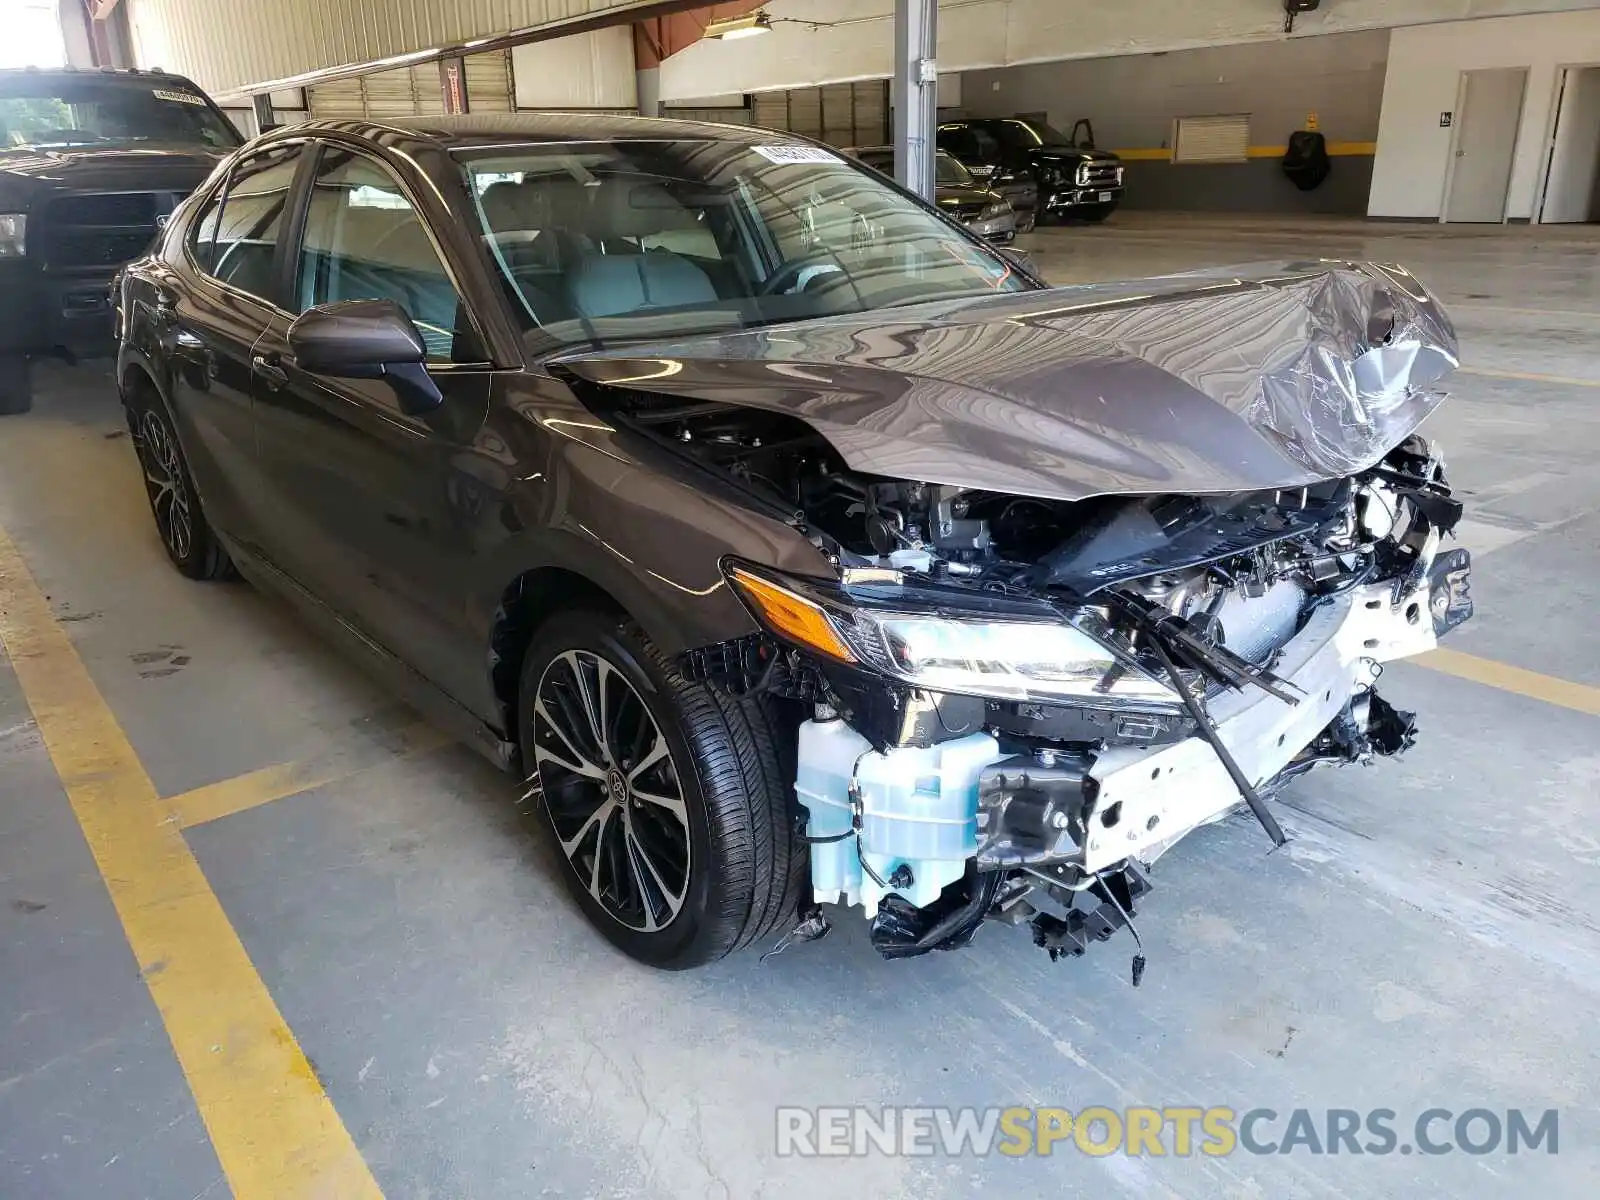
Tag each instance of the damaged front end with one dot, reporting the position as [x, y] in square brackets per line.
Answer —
[1019, 700]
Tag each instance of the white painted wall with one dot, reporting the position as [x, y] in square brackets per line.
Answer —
[587, 70]
[1134, 98]
[1425, 66]
[852, 38]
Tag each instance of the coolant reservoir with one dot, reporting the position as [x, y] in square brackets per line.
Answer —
[919, 811]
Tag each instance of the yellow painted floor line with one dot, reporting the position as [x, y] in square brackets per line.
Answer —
[244, 792]
[1564, 693]
[274, 1129]
[1530, 376]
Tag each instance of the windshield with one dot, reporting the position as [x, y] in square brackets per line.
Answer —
[46, 112]
[1024, 135]
[947, 169]
[599, 242]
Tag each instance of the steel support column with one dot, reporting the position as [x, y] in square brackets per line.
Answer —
[261, 102]
[453, 84]
[649, 89]
[915, 93]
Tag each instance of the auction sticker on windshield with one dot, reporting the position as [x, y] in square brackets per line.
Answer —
[178, 97]
[797, 154]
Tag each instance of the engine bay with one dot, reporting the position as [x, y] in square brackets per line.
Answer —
[937, 809]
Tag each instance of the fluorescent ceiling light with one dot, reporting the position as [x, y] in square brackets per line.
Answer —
[739, 27]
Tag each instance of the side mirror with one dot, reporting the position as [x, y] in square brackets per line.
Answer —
[366, 339]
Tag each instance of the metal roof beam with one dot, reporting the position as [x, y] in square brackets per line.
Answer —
[623, 15]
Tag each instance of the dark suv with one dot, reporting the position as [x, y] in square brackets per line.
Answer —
[92, 163]
[1074, 179]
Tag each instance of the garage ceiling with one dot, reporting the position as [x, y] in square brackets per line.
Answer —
[231, 46]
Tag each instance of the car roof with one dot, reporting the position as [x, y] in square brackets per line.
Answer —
[491, 129]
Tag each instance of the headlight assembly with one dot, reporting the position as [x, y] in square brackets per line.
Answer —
[1015, 655]
[13, 235]
[995, 211]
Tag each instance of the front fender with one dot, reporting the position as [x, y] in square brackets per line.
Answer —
[649, 537]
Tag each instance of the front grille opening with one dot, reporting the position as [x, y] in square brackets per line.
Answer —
[97, 230]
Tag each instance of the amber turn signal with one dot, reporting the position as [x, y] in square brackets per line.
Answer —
[791, 616]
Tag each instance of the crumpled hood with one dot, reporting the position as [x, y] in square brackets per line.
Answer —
[1228, 380]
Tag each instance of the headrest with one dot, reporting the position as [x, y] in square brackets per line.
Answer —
[515, 206]
[613, 208]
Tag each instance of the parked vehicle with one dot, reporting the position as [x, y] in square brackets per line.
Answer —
[92, 163]
[1074, 179]
[982, 210]
[790, 542]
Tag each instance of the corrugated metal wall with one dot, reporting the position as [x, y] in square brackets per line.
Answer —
[228, 45]
[489, 82]
[717, 116]
[841, 114]
[415, 91]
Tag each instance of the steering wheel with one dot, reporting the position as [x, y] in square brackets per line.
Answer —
[796, 276]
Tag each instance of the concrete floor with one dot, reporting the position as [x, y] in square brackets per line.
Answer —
[1431, 938]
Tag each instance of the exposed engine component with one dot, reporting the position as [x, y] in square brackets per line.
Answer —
[901, 821]
[1034, 808]
[935, 810]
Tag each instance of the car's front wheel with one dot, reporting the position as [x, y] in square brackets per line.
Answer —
[188, 538]
[668, 801]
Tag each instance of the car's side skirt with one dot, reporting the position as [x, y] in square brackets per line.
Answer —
[416, 690]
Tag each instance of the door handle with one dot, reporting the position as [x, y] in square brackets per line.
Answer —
[266, 366]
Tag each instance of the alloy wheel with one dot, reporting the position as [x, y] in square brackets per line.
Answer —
[163, 479]
[611, 788]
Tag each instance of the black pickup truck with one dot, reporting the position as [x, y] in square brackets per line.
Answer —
[1074, 179]
[92, 163]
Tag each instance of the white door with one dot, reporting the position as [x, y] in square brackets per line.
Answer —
[1486, 139]
[1575, 149]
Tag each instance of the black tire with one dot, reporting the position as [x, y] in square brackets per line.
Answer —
[733, 765]
[187, 537]
[16, 389]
